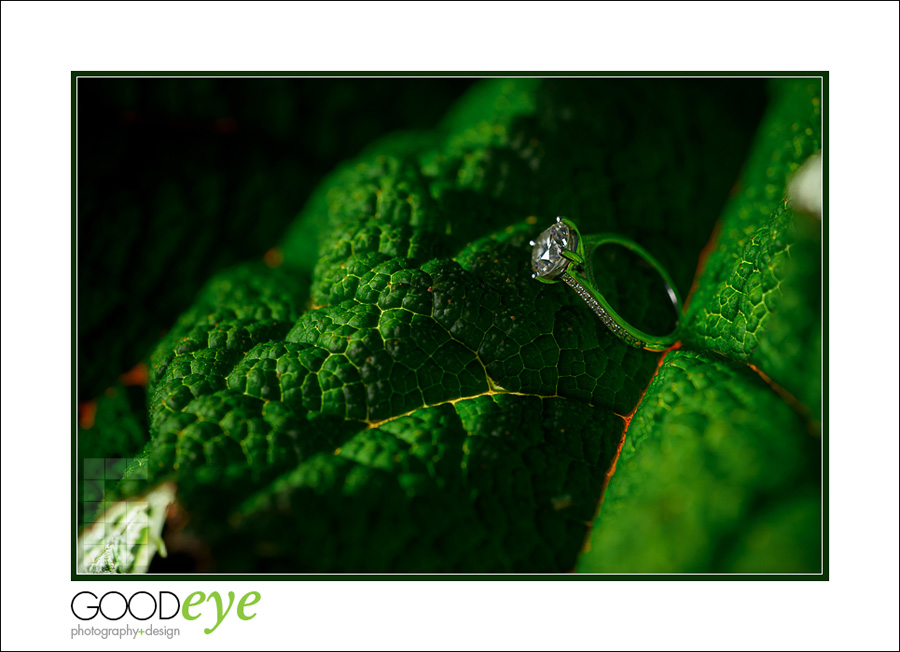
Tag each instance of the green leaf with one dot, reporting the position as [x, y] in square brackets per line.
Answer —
[759, 298]
[713, 468]
[420, 403]
[720, 472]
[499, 482]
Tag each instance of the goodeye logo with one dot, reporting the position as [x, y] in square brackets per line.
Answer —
[165, 605]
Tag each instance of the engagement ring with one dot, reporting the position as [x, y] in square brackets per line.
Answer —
[561, 253]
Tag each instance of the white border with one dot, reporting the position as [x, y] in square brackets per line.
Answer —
[856, 42]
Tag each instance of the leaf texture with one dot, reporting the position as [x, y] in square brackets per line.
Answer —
[400, 395]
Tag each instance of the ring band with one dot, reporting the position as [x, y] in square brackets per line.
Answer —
[561, 253]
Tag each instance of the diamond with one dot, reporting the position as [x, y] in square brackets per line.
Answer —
[547, 260]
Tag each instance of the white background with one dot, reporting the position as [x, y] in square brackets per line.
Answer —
[857, 42]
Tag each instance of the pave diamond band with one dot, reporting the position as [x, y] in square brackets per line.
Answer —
[601, 313]
[561, 253]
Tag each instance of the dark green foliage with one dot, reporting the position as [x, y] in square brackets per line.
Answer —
[718, 472]
[494, 483]
[759, 298]
[401, 396]
[179, 178]
[113, 429]
[436, 409]
[715, 475]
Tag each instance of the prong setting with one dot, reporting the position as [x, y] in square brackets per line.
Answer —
[552, 251]
[561, 254]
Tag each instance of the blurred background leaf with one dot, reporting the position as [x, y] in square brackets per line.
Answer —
[179, 178]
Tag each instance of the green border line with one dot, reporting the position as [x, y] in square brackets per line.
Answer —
[220, 577]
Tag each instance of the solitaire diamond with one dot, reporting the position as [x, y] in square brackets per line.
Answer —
[547, 260]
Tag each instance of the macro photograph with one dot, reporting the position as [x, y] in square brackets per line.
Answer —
[449, 324]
